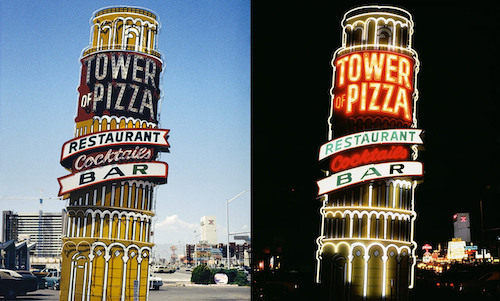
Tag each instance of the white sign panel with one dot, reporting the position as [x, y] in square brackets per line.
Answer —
[393, 136]
[154, 171]
[121, 137]
[370, 172]
[456, 250]
[220, 278]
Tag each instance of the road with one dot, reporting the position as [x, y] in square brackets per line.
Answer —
[177, 286]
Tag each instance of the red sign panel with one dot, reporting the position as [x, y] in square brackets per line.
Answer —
[119, 83]
[358, 157]
[373, 86]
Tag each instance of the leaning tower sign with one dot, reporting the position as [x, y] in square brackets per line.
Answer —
[112, 158]
[366, 249]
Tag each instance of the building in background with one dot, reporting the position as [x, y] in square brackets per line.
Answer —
[461, 226]
[216, 254]
[44, 230]
[209, 229]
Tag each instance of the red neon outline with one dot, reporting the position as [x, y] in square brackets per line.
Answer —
[349, 155]
[61, 193]
[342, 91]
[64, 160]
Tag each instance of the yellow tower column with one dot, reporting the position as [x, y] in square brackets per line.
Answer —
[111, 189]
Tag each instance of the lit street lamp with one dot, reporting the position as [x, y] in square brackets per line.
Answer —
[227, 222]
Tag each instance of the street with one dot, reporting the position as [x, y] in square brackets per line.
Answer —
[195, 292]
[176, 286]
[201, 292]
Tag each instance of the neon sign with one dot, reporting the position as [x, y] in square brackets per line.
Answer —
[369, 172]
[374, 82]
[368, 138]
[367, 156]
[368, 193]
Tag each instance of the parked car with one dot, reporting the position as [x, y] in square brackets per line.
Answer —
[52, 278]
[155, 282]
[57, 284]
[13, 284]
[32, 279]
[451, 280]
[165, 269]
[487, 285]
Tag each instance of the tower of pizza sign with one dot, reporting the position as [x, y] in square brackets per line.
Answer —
[113, 160]
[366, 249]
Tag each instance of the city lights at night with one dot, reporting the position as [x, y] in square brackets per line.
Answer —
[433, 91]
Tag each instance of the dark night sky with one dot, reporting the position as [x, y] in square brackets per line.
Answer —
[458, 107]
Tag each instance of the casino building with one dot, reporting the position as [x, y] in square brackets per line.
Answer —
[110, 192]
[366, 249]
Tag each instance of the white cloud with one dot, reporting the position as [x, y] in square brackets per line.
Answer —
[173, 222]
[173, 229]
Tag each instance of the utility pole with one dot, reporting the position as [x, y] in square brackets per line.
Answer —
[482, 222]
[228, 254]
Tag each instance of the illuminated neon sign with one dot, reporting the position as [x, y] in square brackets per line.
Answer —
[368, 138]
[369, 172]
[372, 152]
[374, 83]
[368, 155]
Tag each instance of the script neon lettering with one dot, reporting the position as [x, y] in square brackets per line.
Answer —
[370, 155]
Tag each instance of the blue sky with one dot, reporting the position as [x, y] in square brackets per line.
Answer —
[206, 105]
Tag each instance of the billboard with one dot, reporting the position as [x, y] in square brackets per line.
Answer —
[372, 100]
[369, 173]
[374, 87]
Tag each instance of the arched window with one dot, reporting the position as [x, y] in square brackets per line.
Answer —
[404, 37]
[357, 36]
[384, 36]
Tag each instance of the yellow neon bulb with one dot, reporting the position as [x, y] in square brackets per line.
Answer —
[374, 11]
[372, 244]
[370, 192]
[366, 210]
[368, 240]
[394, 197]
[385, 227]
[384, 273]
[365, 280]
[351, 226]
[349, 267]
